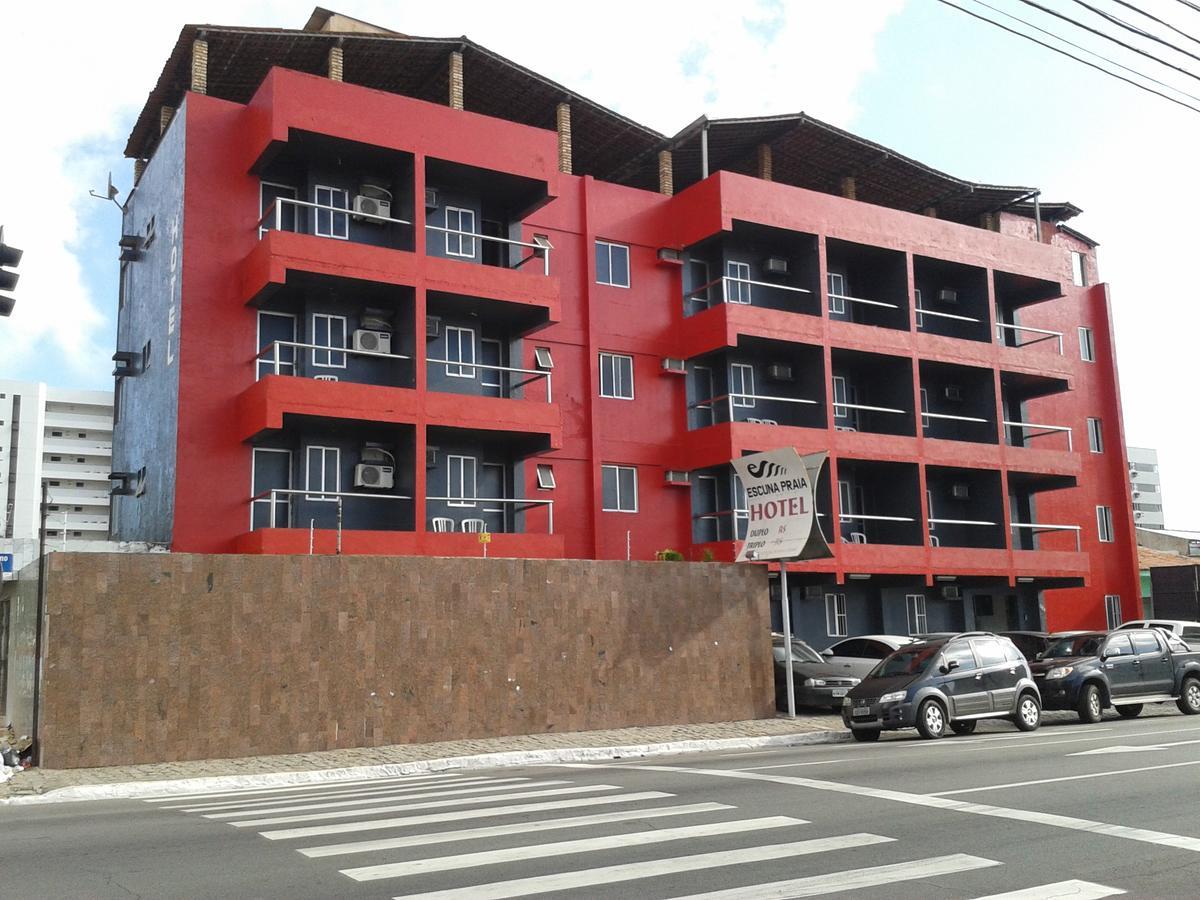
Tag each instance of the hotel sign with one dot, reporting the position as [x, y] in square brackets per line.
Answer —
[780, 489]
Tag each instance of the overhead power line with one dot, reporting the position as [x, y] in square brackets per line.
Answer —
[1162, 22]
[1069, 55]
[1140, 32]
[1190, 4]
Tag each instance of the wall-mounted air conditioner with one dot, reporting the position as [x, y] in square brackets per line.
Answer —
[677, 476]
[674, 366]
[952, 592]
[325, 378]
[948, 295]
[373, 475]
[431, 454]
[779, 372]
[373, 341]
[433, 326]
[954, 392]
[431, 198]
[373, 200]
[670, 256]
[775, 265]
[961, 491]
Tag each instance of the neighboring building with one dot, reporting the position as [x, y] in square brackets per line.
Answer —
[360, 315]
[1170, 584]
[1147, 488]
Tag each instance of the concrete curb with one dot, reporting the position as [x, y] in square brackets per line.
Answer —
[133, 790]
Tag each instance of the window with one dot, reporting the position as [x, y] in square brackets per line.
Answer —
[619, 489]
[56, 459]
[123, 284]
[460, 480]
[1118, 644]
[917, 623]
[837, 293]
[1104, 524]
[961, 654]
[460, 348]
[612, 264]
[323, 473]
[1095, 436]
[919, 308]
[542, 358]
[545, 477]
[835, 615]
[150, 234]
[56, 434]
[328, 223]
[1078, 269]
[741, 385]
[616, 376]
[931, 513]
[841, 396]
[463, 221]
[1143, 641]
[1087, 348]
[1112, 610]
[990, 652]
[329, 331]
[146, 356]
[925, 409]
[737, 284]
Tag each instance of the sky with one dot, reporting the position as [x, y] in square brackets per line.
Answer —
[914, 75]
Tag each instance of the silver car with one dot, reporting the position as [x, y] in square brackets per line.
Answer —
[857, 656]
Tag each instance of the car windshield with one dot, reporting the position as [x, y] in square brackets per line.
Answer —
[906, 662]
[805, 653]
[1079, 645]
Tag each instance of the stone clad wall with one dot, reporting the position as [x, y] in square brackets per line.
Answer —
[169, 657]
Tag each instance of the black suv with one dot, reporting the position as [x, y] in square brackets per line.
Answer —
[945, 683]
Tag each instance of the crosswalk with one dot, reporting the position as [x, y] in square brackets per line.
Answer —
[471, 837]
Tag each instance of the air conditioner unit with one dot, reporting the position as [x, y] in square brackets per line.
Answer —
[325, 378]
[961, 491]
[670, 256]
[371, 475]
[374, 341]
[431, 457]
[954, 392]
[674, 366]
[814, 592]
[775, 265]
[433, 326]
[952, 592]
[948, 295]
[779, 373]
[677, 476]
[431, 198]
[373, 200]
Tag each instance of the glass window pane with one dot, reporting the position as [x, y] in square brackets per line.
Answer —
[960, 654]
[620, 265]
[608, 477]
[603, 270]
[628, 489]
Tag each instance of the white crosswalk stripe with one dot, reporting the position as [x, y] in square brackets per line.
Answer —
[432, 789]
[177, 800]
[1060, 890]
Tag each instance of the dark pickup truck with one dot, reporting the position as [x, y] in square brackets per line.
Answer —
[1123, 669]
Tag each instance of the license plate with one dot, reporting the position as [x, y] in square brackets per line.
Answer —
[862, 710]
[839, 692]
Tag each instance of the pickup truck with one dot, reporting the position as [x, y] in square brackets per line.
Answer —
[1122, 669]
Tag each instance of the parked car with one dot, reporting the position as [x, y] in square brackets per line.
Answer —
[1189, 631]
[1031, 643]
[857, 656]
[816, 683]
[1124, 669]
[943, 684]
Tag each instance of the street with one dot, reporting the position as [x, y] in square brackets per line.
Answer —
[1069, 810]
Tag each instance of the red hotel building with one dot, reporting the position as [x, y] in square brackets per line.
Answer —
[379, 293]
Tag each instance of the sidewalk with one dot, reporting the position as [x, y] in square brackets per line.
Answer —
[525, 749]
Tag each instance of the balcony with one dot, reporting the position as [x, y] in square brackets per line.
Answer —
[872, 393]
[951, 299]
[720, 511]
[878, 503]
[753, 265]
[867, 285]
[72, 446]
[958, 403]
[1031, 530]
[1026, 399]
[759, 382]
[1014, 293]
[965, 508]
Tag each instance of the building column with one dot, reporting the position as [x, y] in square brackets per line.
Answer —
[564, 137]
[200, 66]
[335, 63]
[456, 80]
[766, 164]
[666, 173]
[165, 114]
[849, 188]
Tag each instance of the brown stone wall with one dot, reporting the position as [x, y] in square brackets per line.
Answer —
[154, 657]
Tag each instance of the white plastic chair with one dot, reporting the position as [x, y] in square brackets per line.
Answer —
[474, 526]
[442, 524]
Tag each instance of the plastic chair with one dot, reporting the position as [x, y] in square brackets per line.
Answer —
[442, 524]
[474, 526]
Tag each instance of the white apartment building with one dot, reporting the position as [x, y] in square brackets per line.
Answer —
[64, 437]
[1147, 488]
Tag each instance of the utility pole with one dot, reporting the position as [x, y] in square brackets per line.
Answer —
[38, 628]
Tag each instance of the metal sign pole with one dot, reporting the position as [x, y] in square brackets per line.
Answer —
[786, 606]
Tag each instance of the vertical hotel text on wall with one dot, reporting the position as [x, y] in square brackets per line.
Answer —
[173, 281]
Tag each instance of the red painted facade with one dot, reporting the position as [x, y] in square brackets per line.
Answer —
[223, 409]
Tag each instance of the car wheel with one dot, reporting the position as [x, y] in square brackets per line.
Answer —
[931, 720]
[1189, 697]
[1091, 705]
[1029, 713]
[961, 728]
[866, 735]
[1129, 711]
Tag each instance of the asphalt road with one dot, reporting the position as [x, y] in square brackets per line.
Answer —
[1070, 810]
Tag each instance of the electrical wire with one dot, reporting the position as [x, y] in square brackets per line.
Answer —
[1062, 52]
[1140, 32]
[1191, 5]
[1154, 18]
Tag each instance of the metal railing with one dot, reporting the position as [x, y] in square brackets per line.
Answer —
[729, 401]
[1046, 430]
[858, 517]
[1046, 335]
[272, 497]
[1037, 528]
[861, 407]
[962, 522]
[541, 248]
[863, 301]
[922, 311]
[272, 219]
[524, 504]
[272, 349]
[953, 418]
[464, 365]
[745, 298]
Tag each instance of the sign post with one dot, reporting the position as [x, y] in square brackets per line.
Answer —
[485, 538]
[780, 514]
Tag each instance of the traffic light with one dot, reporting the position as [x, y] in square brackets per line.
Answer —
[10, 257]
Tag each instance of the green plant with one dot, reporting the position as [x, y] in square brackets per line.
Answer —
[707, 556]
[669, 556]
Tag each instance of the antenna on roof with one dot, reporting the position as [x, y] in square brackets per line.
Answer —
[112, 193]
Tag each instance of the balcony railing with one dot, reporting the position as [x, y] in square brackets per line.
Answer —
[279, 361]
[731, 403]
[860, 537]
[541, 247]
[922, 311]
[863, 301]
[739, 290]
[272, 219]
[275, 498]
[479, 523]
[1045, 430]
[1036, 528]
[465, 369]
[861, 408]
[1018, 330]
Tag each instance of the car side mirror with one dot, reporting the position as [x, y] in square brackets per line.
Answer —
[947, 667]
[1039, 657]
[827, 652]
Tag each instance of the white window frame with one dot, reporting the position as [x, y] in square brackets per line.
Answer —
[333, 216]
[462, 499]
[929, 510]
[925, 420]
[836, 621]
[263, 229]
[545, 477]
[322, 486]
[837, 305]
[260, 364]
[1078, 268]
[617, 470]
[918, 306]
[741, 503]
[457, 366]
[498, 374]
[1095, 435]
[848, 416]
[918, 621]
[1104, 524]
[744, 373]
[542, 358]
[457, 235]
[738, 291]
[1087, 344]
[618, 383]
[1112, 610]
[611, 283]
[331, 352]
